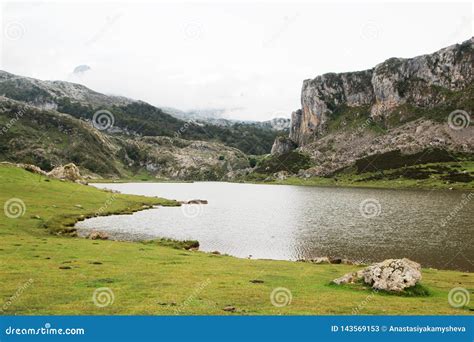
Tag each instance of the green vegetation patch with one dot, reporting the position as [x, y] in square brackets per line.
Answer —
[291, 162]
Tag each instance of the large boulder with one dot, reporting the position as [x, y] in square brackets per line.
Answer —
[67, 172]
[389, 275]
[393, 274]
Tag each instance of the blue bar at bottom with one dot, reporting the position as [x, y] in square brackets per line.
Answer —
[237, 328]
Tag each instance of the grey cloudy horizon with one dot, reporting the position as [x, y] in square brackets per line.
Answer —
[249, 59]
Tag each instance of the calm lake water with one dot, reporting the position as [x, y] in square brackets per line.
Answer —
[434, 228]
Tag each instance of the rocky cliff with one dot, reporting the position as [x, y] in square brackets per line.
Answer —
[390, 94]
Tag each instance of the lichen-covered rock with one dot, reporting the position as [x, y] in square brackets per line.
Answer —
[393, 274]
[67, 172]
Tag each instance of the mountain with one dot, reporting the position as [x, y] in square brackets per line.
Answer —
[402, 112]
[131, 117]
[48, 138]
[215, 117]
[393, 92]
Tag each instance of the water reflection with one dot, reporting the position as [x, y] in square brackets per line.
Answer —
[290, 222]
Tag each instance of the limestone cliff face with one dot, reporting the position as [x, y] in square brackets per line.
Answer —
[423, 81]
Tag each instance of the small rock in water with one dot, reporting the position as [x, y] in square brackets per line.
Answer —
[194, 201]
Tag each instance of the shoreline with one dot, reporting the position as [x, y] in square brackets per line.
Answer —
[301, 182]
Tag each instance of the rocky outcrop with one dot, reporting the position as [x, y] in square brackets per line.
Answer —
[346, 148]
[282, 145]
[389, 275]
[66, 172]
[28, 167]
[423, 81]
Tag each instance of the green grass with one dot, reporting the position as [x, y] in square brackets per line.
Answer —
[45, 273]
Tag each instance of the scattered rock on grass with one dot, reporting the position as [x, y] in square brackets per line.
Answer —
[97, 236]
[67, 172]
[393, 275]
[229, 309]
[348, 278]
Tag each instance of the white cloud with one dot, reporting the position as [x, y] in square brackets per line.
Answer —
[249, 59]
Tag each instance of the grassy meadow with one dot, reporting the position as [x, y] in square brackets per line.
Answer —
[44, 269]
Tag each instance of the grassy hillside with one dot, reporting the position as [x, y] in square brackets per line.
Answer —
[47, 139]
[449, 175]
[44, 273]
[130, 116]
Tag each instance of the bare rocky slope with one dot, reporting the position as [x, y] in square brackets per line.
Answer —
[401, 112]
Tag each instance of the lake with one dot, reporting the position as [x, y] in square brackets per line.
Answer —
[286, 222]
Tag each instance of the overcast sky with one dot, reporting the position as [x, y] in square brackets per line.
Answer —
[248, 59]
